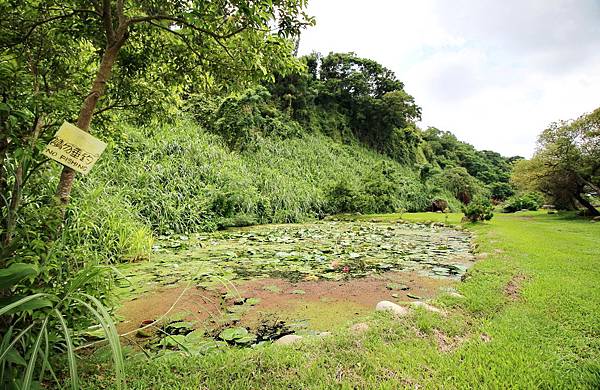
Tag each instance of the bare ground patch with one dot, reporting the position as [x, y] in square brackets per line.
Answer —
[512, 290]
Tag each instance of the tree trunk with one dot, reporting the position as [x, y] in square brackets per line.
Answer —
[585, 203]
[13, 207]
[17, 190]
[88, 107]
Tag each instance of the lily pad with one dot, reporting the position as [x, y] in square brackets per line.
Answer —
[396, 286]
[253, 301]
[231, 334]
[272, 288]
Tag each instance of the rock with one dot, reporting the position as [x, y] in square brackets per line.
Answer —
[359, 328]
[288, 339]
[427, 307]
[324, 334]
[454, 294]
[398, 310]
[413, 296]
[597, 219]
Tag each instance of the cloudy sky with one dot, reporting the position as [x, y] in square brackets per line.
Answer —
[495, 73]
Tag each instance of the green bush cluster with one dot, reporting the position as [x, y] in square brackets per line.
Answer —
[480, 209]
[526, 201]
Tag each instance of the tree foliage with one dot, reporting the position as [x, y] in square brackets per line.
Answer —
[566, 165]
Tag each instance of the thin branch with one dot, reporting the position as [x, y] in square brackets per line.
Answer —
[186, 24]
[182, 37]
[121, 12]
[117, 106]
[38, 24]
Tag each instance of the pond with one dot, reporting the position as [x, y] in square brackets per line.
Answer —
[324, 250]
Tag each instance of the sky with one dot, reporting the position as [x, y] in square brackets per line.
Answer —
[495, 73]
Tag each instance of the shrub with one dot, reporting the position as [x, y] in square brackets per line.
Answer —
[460, 184]
[501, 191]
[527, 201]
[343, 197]
[479, 210]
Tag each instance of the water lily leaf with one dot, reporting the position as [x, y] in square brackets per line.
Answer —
[272, 288]
[253, 301]
[172, 341]
[245, 340]
[231, 334]
[396, 286]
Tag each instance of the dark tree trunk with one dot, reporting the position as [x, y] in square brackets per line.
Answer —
[585, 203]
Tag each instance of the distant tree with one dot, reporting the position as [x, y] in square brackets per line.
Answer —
[566, 165]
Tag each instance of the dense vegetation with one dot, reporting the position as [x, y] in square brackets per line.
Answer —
[211, 122]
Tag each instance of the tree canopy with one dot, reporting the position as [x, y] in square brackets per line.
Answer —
[566, 165]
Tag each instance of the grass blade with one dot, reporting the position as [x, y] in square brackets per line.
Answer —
[16, 339]
[31, 365]
[111, 334]
[18, 303]
[70, 352]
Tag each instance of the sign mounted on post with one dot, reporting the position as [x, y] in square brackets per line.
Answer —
[74, 148]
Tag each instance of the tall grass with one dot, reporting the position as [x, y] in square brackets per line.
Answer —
[184, 179]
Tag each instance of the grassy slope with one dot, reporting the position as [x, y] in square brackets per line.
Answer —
[548, 336]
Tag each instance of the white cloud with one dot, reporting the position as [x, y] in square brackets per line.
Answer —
[494, 73]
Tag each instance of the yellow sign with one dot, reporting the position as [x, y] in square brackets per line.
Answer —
[74, 148]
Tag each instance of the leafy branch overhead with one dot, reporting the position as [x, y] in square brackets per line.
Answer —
[246, 36]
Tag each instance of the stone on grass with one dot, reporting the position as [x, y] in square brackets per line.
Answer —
[427, 307]
[398, 310]
[288, 339]
[359, 328]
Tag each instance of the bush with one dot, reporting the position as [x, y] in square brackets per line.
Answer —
[501, 191]
[527, 201]
[460, 184]
[343, 197]
[479, 210]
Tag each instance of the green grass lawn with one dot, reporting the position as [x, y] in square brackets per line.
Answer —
[530, 318]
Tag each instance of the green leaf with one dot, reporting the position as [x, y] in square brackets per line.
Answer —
[27, 381]
[15, 273]
[20, 302]
[70, 351]
[173, 341]
[12, 356]
[30, 305]
[232, 334]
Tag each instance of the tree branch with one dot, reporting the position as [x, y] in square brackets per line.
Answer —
[186, 24]
[107, 22]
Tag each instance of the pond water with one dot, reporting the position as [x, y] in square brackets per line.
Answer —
[324, 250]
